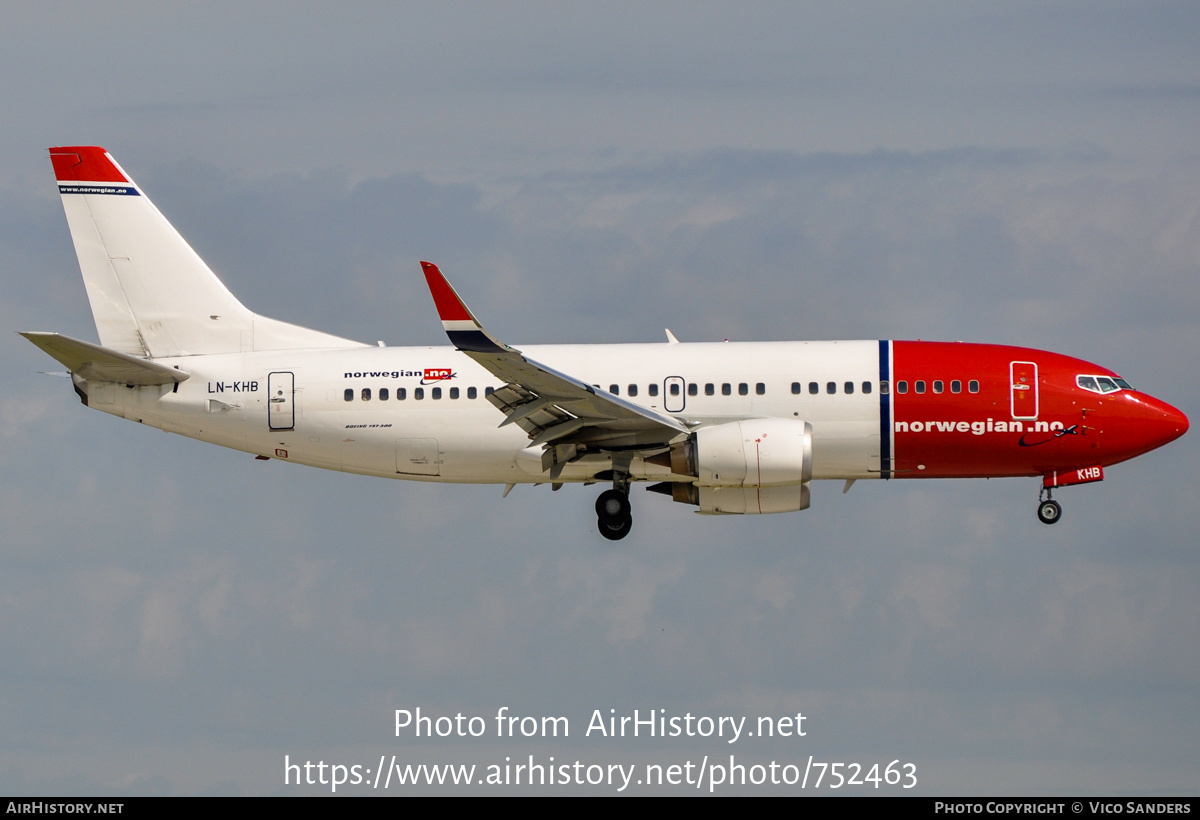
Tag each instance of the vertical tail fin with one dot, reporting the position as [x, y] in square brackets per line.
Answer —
[151, 294]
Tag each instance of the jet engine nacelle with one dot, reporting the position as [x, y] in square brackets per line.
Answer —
[754, 453]
[751, 500]
[745, 467]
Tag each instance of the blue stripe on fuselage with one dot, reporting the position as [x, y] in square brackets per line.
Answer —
[885, 410]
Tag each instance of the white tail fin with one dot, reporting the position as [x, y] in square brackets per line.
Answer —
[151, 295]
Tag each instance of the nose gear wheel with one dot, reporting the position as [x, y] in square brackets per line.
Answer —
[1049, 511]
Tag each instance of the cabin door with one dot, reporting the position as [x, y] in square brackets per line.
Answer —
[1023, 389]
[281, 401]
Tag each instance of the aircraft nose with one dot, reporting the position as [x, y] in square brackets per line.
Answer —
[1163, 423]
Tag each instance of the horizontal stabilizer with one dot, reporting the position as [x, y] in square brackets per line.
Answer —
[102, 364]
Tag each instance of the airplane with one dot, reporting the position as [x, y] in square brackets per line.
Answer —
[735, 428]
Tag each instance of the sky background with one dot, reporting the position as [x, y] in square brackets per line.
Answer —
[176, 618]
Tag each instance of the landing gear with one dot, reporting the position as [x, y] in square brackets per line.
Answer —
[1049, 510]
[615, 530]
[613, 504]
[614, 519]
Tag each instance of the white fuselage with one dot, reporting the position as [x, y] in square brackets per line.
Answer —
[429, 436]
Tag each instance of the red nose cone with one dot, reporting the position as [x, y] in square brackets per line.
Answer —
[1179, 420]
[1138, 423]
[1163, 423]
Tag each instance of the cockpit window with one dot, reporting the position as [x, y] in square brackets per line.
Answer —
[1102, 384]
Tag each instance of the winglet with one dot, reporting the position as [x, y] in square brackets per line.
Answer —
[461, 325]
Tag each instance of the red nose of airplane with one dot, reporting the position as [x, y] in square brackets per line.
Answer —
[1139, 423]
[1159, 422]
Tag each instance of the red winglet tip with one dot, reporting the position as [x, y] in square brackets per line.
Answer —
[449, 306]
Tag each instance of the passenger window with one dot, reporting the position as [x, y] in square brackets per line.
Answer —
[760, 389]
[654, 390]
[919, 386]
[902, 387]
[615, 389]
[973, 386]
[383, 394]
[885, 388]
[366, 394]
[867, 388]
[937, 386]
[418, 393]
[726, 389]
[454, 392]
[487, 391]
[831, 388]
[400, 393]
[349, 394]
[674, 388]
[693, 388]
[848, 387]
[956, 386]
[472, 393]
[813, 388]
[743, 389]
[710, 389]
[436, 392]
[795, 388]
[632, 390]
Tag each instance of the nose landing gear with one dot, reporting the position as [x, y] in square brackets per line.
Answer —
[1049, 510]
[614, 518]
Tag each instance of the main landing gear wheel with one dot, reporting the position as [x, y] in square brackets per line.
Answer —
[615, 529]
[613, 504]
[1049, 511]
[614, 519]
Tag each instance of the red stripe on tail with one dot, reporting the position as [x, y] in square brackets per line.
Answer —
[85, 163]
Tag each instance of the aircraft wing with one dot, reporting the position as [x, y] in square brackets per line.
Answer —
[103, 364]
[551, 407]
